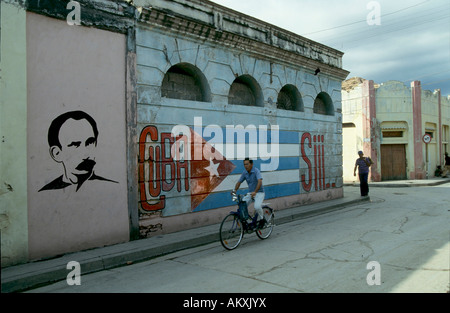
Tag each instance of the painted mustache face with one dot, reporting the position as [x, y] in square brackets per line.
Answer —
[86, 165]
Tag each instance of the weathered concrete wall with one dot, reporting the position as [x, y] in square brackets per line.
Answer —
[176, 195]
[394, 105]
[13, 132]
[431, 124]
[353, 137]
[234, 29]
[77, 192]
[445, 123]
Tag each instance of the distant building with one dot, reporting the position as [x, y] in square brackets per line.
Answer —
[388, 122]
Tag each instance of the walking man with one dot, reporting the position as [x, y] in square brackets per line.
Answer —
[363, 165]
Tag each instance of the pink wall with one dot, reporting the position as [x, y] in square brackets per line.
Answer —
[370, 133]
[74, 68]
[420, 170]
[440, 147]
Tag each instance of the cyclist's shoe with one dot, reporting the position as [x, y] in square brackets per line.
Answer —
[251, 227]
[262, 223]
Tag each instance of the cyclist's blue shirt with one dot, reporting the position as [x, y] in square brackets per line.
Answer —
[252, 179]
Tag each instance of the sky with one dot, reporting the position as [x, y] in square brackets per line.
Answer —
[402, 40]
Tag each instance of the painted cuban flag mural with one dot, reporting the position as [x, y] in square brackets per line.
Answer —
[192, 169]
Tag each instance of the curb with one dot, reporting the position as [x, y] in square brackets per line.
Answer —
[412, 183]
[35, 274]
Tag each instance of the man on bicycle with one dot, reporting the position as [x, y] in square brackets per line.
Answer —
[255, 187]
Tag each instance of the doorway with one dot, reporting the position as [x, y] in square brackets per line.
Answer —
[393, 162]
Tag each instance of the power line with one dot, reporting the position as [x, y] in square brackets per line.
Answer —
[382, 33]
[383, 30]
[427, 75]
[437, 13]
[364, 21]
[438, 82]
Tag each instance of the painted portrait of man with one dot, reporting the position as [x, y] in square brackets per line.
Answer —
[72, 138]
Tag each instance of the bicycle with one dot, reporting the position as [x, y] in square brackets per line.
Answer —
[237, 223]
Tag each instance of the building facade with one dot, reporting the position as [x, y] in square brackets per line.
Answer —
[138, 117]
[389, 122]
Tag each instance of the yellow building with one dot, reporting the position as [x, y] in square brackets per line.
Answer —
[391, 122]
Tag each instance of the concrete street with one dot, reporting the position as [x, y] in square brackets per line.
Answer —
[405, 230]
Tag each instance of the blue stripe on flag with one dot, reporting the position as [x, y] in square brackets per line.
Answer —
[223, 199]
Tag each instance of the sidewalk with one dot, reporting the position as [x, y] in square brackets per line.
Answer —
[433, 181]
[25, 276]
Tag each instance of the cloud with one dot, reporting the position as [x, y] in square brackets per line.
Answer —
[410, 57]
[412, 42]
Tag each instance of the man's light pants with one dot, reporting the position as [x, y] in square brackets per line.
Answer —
[259, 198]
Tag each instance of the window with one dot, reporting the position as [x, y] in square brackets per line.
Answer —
[445, 137]
[392, 134]
[289, 99]
[431, 129]
[185, 82]
[323, 104]
[245, 90]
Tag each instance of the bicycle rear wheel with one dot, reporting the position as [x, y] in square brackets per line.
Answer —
[231, 232]
[266, 231]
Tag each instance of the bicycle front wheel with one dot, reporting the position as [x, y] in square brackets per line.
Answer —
[266, 231]
[231, 232]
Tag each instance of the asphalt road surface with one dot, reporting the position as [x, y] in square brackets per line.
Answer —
[398, 242]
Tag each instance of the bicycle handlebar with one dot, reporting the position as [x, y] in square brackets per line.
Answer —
[235, 196]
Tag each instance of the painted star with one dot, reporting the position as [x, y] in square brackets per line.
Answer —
[212, 169]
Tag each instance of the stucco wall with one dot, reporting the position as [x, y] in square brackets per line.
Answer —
[74, 68]
[352, 131]
[394, 104]
[394, 111]
[13, 141]
[430, 111]
[195, 197]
